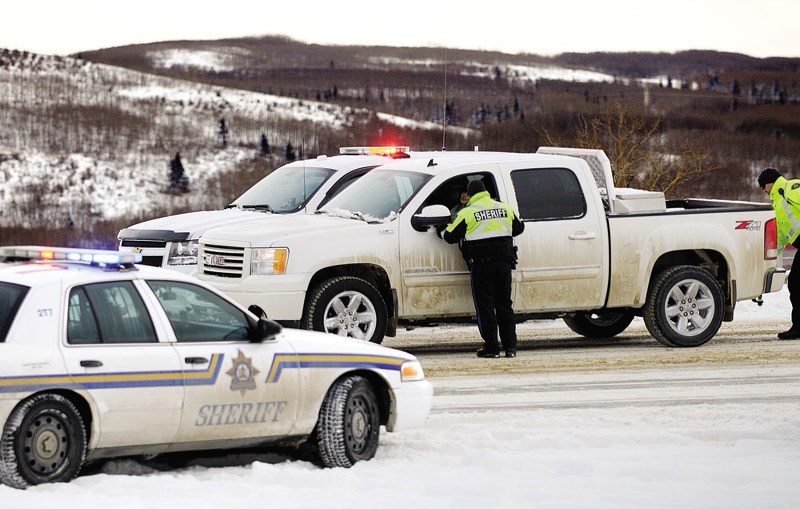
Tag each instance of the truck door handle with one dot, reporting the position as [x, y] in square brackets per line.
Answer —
[580, 235]
[91, 364]
[196, 360]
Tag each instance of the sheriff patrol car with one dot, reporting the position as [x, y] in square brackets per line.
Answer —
[100, 358]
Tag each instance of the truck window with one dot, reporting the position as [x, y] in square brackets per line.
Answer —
[548, 194]
[286, 189]
[344, 183]
[449, 192]
[378, 193]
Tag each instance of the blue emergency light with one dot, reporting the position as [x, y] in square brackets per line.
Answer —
[100, 257]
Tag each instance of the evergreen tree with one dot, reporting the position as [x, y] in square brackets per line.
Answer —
[178, 181]
[290, 155]
[736, 89]
[264, 145]
[223, 132]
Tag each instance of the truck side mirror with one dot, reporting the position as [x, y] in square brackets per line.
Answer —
[432, 215]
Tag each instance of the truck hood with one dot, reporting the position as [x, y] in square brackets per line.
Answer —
[273, 228]
[197, 223]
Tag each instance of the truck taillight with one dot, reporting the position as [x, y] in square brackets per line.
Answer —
[771, 240]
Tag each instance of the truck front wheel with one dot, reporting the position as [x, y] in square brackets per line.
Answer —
[684, 307]
[347, 306]
[599, 324]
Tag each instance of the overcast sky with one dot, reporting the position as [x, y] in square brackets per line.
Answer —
[759, 29]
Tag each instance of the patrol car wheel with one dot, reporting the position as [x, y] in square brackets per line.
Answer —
[605, 324]
[684, 307]
[348, 429]
[347, 306]
[44, 441]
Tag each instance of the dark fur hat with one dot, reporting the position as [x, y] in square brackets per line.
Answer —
[475, 186]
[768, 176]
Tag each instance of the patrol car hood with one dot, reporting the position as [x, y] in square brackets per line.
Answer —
[197, 223]
[303, 341]
[270, 229]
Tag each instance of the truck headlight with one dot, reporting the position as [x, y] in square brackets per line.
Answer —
[183, 253]
[272, 260]
[411, 371]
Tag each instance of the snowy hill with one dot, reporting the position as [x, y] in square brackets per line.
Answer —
[83, 141]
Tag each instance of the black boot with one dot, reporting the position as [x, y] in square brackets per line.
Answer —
[488, 355]
[793, 333]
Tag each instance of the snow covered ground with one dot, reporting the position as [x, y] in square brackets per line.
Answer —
[724, 436]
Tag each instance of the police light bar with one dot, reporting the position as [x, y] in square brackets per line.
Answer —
[391, 151]
[91, 256]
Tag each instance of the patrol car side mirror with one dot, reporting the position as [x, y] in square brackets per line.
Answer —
[267, 329]
[432, 215]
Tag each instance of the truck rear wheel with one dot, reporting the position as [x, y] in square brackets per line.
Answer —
[347, 306]
[684, 307]
[600, 324]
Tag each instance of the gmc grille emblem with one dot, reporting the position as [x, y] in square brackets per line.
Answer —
[215, 260]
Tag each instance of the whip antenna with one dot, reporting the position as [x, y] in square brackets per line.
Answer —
[444, 113]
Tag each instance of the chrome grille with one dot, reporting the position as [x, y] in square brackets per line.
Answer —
[221, 261]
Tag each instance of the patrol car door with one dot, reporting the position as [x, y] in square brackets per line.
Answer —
[113, 352]
[435, 276]
[561, 252]
[229, 391]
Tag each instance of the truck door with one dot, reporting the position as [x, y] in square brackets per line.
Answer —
[435, 277]
[562, 252]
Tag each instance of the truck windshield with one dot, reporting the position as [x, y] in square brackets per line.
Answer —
[285, 190]
[377, 194]
[10, 300]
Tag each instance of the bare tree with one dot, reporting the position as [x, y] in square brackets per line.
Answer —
[639, 155]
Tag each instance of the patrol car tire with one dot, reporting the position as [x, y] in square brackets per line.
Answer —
[347, 306]
[44, 441]
[684, 307]
[605, 324]
[349, 423]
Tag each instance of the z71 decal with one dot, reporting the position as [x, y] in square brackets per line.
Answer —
[748, 224]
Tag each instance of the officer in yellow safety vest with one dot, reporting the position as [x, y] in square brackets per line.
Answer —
[485, 228]
[785, 196]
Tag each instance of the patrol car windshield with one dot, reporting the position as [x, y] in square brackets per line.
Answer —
[10, 299]
[285, 190]
[376, 195]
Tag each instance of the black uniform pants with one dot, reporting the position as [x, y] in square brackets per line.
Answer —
[491, 292]
[793, 285]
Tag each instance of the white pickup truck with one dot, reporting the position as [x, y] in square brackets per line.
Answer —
[592, 254]
[299, 187]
